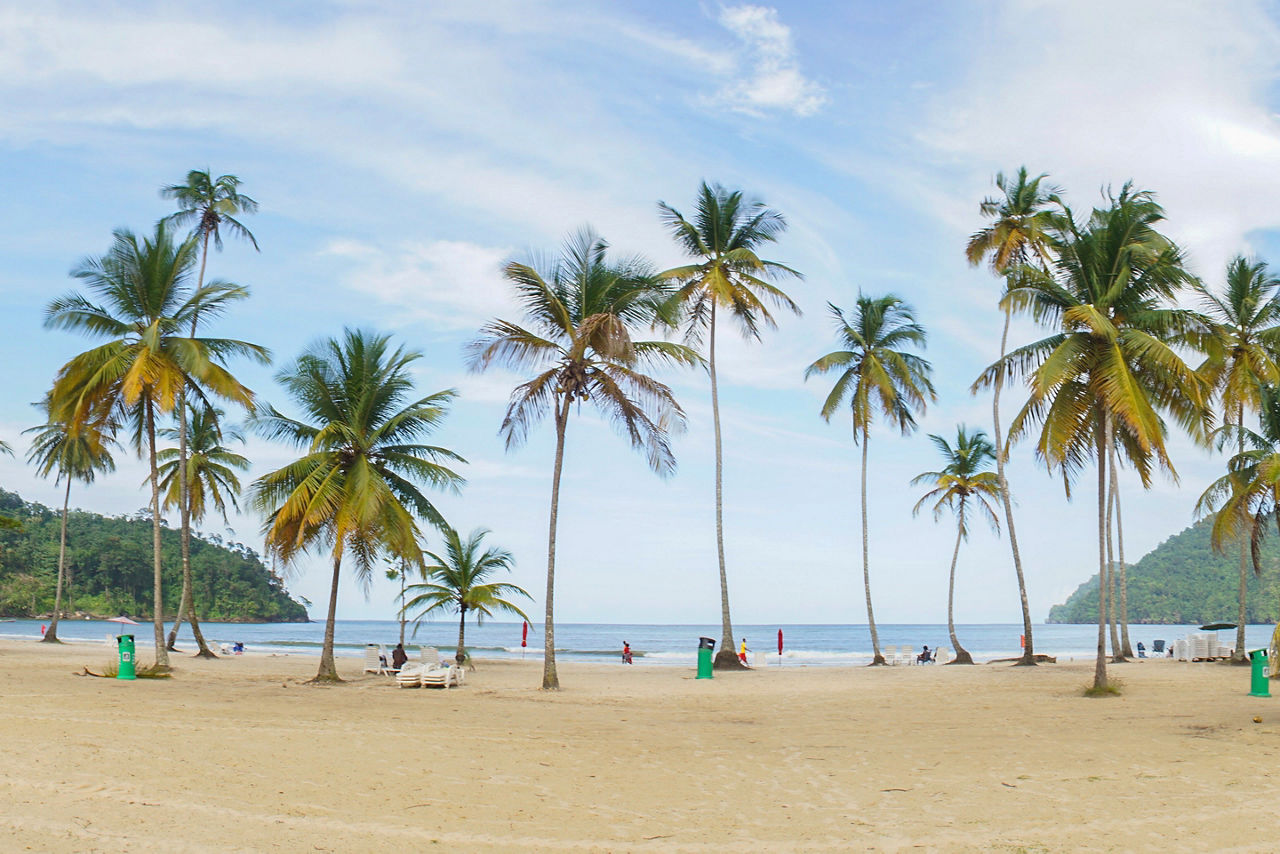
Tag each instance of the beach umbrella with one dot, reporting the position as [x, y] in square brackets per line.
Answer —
[779, 646]
[124, 621]
[524, 638]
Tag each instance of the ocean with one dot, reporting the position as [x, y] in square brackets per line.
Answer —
[653, 645]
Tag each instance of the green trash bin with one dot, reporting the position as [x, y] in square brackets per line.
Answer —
[127, 670]
[705, 647]
[1260, 686]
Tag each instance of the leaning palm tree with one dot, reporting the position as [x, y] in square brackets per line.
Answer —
[1109, 369]
[1242, 360]
[207, 205]
[399, 573]
[963, 482]
[70, 452]
[1245, 502]
[211, 484]
[724, 236]
[145, 305]
[1019, 232]
[357, 488]
[8, 523]
[582, 310]
[459, 582]
[876, 372]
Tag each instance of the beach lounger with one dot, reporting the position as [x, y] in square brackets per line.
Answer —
[440, 676]
[410, 676]
[373, 661]
[890, 654]
[1157, 647]
[942, 655]
[429, 655]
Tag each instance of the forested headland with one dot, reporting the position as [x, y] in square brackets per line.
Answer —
[109, 569]
[1184, 581]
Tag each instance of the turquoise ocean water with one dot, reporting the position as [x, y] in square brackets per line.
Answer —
[654, 645]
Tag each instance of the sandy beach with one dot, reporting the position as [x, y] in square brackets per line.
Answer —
[240, 755]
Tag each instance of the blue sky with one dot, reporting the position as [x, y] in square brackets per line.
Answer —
[401, 152]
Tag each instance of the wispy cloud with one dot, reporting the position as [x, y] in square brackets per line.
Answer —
[768, 76]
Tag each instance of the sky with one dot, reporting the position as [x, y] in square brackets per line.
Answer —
[400, 153]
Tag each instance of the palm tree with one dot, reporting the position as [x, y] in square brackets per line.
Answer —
[458, 582]
[71, 452]
[211, 482]
[1246, 318]
[724, 236]
[965, 480]
[207, 205]
[582, 310]
[356, 489]
[400, 573]
[1018, 234]
[876, 372]
[146, 363]
[1247, 498]
[8, 523]
[1109, 370]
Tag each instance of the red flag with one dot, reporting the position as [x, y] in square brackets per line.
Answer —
[524, 635]
[779, 641]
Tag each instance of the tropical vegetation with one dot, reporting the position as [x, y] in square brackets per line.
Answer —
[877, 373]
[458, 582]
[727, 275]
[582, 310]
[356, 491]
[964, 485]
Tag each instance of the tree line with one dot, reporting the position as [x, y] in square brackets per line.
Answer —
[1101, 387]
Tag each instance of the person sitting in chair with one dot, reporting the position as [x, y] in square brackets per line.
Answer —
[924, 657]
[1142, 650]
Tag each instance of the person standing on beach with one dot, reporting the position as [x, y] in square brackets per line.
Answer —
[398, 656]
[742, 651]
[626, 653]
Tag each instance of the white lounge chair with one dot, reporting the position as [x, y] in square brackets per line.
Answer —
[942, 655]
[410, 676]
[429, 655]
[373, 660]
[890, 654]
[440, 676]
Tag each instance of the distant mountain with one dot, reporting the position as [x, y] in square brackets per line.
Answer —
[1184, 581]
[109, 568]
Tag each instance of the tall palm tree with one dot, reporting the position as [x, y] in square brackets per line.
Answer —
[582, 310]
[69, 452]
[356, 489]
[8, 523]
[1019, 232]
[1109, 370]
[876, 372]
[207, 205]
[724, 236]
[459, 582]
[145, 304]
[966, 480]
[1241, 360]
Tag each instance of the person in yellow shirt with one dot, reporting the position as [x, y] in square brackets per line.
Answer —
[742, 651]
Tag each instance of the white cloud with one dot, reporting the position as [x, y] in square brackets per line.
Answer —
[454, 284]
[771, 75]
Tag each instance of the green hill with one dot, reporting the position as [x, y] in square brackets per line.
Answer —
[1183, 581]
[109, 567]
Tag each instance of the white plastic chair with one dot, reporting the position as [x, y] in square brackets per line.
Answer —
[890, 654]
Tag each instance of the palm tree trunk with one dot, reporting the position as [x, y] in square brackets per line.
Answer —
[877, 658]
[328, 671]
[725, 658]
[550, 679]
[1100, 666]
[1239, 657]
[1123, 582]
[460, 656]
[962, 655]
[184, 497]
[1117, 654]
[404, 567]
[1028, 647]
[157, 610]
[186, 602]
[51, 635]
